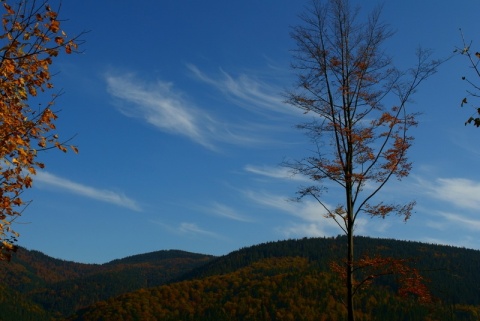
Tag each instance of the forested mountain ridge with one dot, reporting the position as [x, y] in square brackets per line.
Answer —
[452, 272]
[291, 280]
[284, 280]
[54, 287]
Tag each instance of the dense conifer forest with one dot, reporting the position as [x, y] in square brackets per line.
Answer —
[285, 280]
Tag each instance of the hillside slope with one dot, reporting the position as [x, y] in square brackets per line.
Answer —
[290, 280]
[57, 288]
[284, 280]
[452, 272]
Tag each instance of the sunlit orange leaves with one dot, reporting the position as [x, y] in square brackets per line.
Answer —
[8, 67]
[382, 210]
[9, 9]
[32, 36]
[59, 40]
[54, 26]
[369, 268]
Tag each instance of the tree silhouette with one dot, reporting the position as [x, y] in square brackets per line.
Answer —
[360, 124]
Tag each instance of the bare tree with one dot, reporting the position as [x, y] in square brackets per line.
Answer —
[360, 124]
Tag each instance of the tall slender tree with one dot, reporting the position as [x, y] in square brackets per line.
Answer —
[360, 124]
[30, 39]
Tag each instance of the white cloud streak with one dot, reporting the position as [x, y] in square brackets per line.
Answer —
[275, 172]
[247, 90]
[312, 219]
[161, 106]
[186, 228]
[227, 212]
[86, 191]
[459, 220]
[192, 228]
[460, 192]
[168, 110]
[304, 230]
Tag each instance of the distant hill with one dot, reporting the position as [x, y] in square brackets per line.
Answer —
[57, 288]
[452, 271]
[285, 280]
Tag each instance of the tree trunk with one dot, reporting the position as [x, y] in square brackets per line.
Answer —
[350, 228]
[350, 279]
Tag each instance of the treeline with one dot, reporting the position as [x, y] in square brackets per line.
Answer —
[283, 288]
[50, 288]
[451, 271]
[285, 280]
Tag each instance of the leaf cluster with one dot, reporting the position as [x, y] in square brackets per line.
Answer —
[30, 38]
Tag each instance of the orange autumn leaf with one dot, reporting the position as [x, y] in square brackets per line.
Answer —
[59, 40]
[9, 9]
[54, 26]
[27, 52]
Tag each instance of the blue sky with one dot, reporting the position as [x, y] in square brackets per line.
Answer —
[178, 112]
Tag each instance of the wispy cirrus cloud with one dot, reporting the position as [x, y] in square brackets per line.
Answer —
[160, 105]
[304, 230]
[277, 172]
[460, 192]
[187, 228]
[170, 111]
[454, 219]
[246, 90]
[311, 215]
[192, 228]
[102, 195]
[463, 241]
[227, 212]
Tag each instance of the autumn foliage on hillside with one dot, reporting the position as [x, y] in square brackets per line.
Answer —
[282, 289]
[270, 281]
[35, 285]
[30, 38]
